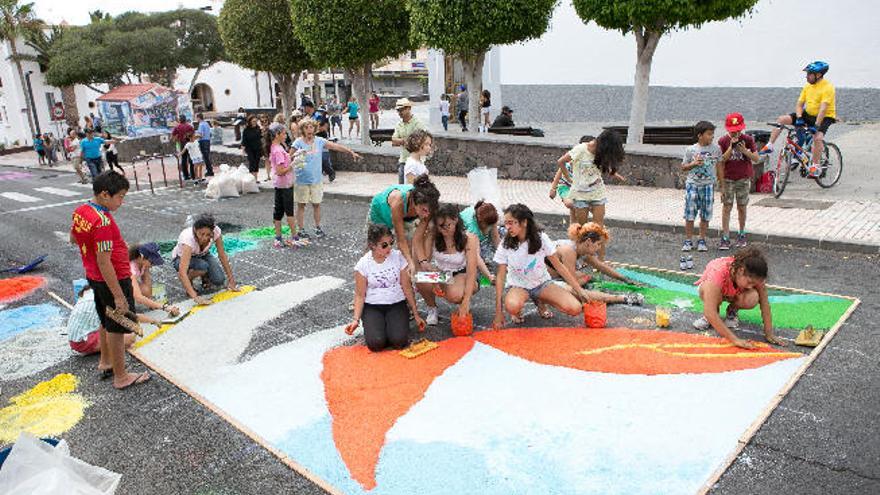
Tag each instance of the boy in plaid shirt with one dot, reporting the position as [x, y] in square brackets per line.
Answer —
[700, 162]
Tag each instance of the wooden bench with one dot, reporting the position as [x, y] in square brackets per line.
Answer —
[379, 136]
[517, 131]
[661, 135]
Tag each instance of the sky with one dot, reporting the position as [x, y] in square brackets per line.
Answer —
[77, 12]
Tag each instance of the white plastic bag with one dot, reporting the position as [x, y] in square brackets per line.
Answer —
[249, 184]
[213, 189]
[226, 185]
[37, 468]
[483, 184]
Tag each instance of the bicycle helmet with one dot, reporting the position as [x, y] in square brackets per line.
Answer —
[818, 67]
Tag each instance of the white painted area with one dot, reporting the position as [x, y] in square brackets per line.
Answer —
[59, 192]
[199, 348]
[33, 351]
[603, 432]
[279, 390]
[21, 198]
[768, 49]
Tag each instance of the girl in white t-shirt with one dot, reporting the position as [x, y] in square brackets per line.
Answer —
[420, 144]
[521, 260]
[383, 289]
[450, 249]
[192, 258]
[584, 243]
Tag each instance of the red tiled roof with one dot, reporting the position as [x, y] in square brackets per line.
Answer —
[127, 92]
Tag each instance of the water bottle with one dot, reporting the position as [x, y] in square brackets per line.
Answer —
[189, 221]
[682, 262]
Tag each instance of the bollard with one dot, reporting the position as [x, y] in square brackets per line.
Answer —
[150, 176]
[134, 170]
[164, 175]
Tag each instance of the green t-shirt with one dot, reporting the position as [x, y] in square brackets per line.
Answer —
[380, 210]
[469, 217]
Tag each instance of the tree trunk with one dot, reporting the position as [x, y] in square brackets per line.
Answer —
[96, 90]
[257, 86]
[473, 78]
[68, 98]
[359, 85]
[646, 45]
[288, 92]
[24, 90]
[316, 91]
[192, 82]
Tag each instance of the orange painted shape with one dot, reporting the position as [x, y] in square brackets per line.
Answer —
[367, 391]
[12, 289]
[630, 352]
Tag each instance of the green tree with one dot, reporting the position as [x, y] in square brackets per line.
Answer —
[649, 21]
[15, 21]
[259, 36]
[468, 29]
[352, 34]
[82, 56]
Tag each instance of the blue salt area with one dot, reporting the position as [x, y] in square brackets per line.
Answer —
[692, 290]
[24, 318]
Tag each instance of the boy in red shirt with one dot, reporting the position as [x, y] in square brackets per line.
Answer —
[105, 260]
[738, 152]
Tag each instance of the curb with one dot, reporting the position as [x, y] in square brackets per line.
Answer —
[780, 240]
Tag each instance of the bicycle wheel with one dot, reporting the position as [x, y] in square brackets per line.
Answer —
[780, 175]
[832, 166]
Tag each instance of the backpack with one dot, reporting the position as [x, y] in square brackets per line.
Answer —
[765, 183]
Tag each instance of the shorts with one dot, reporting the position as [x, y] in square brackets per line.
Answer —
[309, 193]
[91, 345]
[283, 203]
[207, 263]
[583, 203]
[336, 119]
[104, 300]
[352, 117]
[535, 292]
[563, 191]
[484, 110]
[810, 120]
[42, 153]
[738, 189]
[698, 199]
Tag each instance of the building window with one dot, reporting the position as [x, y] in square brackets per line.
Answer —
[3, 117]
[50, 100]
[412, 54]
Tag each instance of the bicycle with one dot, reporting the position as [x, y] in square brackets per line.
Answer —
[797, 155]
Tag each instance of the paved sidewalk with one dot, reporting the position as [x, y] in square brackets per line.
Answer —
[839, 225]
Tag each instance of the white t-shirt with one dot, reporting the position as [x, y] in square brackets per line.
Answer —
[383, 279]
[414, 167]
[523, 269]
[195, 154]
[444, 108]
[188, 238]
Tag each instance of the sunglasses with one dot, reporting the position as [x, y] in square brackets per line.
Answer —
[445, 225]
[385, 245]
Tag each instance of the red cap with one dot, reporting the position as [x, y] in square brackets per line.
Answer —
[734, 122]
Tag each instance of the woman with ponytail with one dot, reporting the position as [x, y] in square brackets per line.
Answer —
[482, 221]
[584, 243]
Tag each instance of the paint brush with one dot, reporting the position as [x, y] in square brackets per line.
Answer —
[127, 320]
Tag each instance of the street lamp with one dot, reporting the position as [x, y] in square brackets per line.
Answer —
[30, 89]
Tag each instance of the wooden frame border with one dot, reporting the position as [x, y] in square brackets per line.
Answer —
[704, 489]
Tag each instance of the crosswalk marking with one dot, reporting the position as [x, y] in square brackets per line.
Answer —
[80, 184]
[22, 198]
[59, 192]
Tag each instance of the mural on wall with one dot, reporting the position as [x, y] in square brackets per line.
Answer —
[521, 410]
[143, 109]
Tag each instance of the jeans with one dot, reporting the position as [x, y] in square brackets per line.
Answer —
[445, 119]
[96, 166]
[205, 263]
[205, 148]
[462, 119]
[327, 166]
[186, 166]
[400, 177]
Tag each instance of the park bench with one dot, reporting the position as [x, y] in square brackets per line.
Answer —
[517, 131]
[379, 136]
[661, 135]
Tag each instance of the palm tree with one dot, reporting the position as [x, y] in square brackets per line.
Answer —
[41, 42]
[15, 21]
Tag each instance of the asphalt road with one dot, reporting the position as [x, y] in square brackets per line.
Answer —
[822, 439]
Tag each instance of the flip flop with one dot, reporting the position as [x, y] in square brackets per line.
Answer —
[544, 312]
[104, 374]
[516, 319]
[140, 378]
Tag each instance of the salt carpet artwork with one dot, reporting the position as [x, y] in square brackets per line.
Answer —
[519, 410]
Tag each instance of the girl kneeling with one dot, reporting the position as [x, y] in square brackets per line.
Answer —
[383, 289]
[739, 281]
[521, 266]
[451, 249]
[584, 243]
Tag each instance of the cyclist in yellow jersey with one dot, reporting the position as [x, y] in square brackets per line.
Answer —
[815, 109]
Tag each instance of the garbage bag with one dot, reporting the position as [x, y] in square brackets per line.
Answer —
[249, 184]
[37, 468]
[483, 184]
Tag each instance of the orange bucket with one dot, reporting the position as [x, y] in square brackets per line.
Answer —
[462, 326]
[595, 314]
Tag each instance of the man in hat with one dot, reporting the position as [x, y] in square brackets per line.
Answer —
[738, 152]
[408, 123]
[505, 119]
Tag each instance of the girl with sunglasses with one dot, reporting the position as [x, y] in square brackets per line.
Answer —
[450, 249]
[383, 289]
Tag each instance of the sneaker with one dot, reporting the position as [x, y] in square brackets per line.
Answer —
[299, 241]
[319, 233]
[701, 323]
[766, 150]
[432, 318]
[682, 263]
[741, 241]
[277, 244]
[687, 245]
[813, 171]
[303, 235]
[724, 245]
[731, 319]
[634, 299]
[701, 246]
[689, 262]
